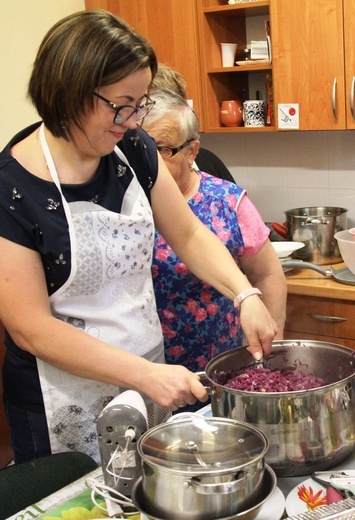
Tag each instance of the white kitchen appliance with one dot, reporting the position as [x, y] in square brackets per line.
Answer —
[119, 426]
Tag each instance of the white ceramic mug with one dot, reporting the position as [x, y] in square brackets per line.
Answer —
[228, 54]
[254, 112]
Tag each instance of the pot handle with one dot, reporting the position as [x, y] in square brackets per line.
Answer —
[205, 381]
[280, 229]
[300, 264]
[223, 488]
[318, 220]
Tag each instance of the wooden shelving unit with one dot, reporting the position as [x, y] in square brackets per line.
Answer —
[219, 22]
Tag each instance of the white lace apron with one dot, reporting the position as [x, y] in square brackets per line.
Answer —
[109, 295]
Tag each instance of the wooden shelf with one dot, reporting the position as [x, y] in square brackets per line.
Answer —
[239, 129]
[255, 8]
[241, 68]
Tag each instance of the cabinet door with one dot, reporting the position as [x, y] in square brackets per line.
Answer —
[171, 28]
[308, 63]
[349, 35]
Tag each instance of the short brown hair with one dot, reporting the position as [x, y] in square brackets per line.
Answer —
[79, 54]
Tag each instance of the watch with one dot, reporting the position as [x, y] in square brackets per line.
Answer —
[244, 294]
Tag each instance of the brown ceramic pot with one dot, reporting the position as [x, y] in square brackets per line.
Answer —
[231, 113]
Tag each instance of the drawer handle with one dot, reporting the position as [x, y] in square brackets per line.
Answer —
[332, 319]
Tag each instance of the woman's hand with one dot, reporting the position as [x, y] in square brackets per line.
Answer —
[172, 386]
[258, 326]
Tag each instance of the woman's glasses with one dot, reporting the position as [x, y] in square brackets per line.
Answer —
[166, 151]
[124, 112]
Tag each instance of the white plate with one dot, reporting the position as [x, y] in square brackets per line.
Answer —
[273, 508]
[284, 249]
[296, 506]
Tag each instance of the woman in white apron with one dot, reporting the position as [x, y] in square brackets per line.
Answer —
[77, 198]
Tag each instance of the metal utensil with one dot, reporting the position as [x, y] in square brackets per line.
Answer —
[345, 509]
[344, 483]
[324, 477]
[342, 275]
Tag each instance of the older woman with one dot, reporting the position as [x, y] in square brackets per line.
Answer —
[198, 322]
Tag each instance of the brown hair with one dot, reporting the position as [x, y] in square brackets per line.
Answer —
[168, 78]
[79, 54]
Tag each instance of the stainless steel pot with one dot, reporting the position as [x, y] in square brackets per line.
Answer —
[315, 227]
[201, 468]
[307, 430]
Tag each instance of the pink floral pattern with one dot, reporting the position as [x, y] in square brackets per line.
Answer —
[197, 321]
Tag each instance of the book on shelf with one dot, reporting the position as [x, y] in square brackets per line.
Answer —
[269, 101]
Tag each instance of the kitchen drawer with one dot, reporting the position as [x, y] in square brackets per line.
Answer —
[320, 316]
[316, 337]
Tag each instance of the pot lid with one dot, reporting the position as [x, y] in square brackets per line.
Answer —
[202, 444]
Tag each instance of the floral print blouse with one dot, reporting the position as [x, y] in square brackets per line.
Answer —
[198, 322]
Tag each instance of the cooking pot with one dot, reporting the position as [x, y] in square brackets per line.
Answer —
[307, 430]
[315, 227]
[203, 467]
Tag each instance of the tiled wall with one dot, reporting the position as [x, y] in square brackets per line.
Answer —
[285, 170]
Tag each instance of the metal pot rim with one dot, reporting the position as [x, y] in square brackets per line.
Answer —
[294, 393]
[314, 210]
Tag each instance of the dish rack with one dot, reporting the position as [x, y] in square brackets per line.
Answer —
[342, 510]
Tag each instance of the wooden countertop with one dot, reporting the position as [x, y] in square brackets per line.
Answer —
[311, 283]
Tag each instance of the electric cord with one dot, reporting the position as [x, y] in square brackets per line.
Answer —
[111, 495]
[123, 456]
[113, 498]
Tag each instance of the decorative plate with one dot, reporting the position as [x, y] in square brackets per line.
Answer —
[307, 496]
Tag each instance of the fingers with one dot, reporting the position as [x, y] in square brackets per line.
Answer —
[259, 328]
[174, 386]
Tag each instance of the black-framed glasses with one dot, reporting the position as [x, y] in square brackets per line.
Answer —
[166, 151]
[124, 112]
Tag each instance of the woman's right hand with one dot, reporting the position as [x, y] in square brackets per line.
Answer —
[172, 386]
[258, 326]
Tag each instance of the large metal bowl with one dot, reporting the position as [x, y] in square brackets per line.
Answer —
[307, 430]
[269, 484]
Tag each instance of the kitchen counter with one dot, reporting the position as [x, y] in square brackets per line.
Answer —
[311, 283]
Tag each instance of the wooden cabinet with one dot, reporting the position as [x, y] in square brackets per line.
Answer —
[349, 54]
[171, 27]
[219, 22]
[313, 54]
[321, 319]
[314, 60]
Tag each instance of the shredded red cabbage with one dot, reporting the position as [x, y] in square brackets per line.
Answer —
[266, 380]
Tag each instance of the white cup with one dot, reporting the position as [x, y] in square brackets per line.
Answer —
[228, 54]
[254, 112]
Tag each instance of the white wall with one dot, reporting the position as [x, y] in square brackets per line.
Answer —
[284, 170]
[23, 24]
[280, 170]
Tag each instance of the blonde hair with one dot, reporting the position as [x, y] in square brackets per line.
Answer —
[170, 79]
